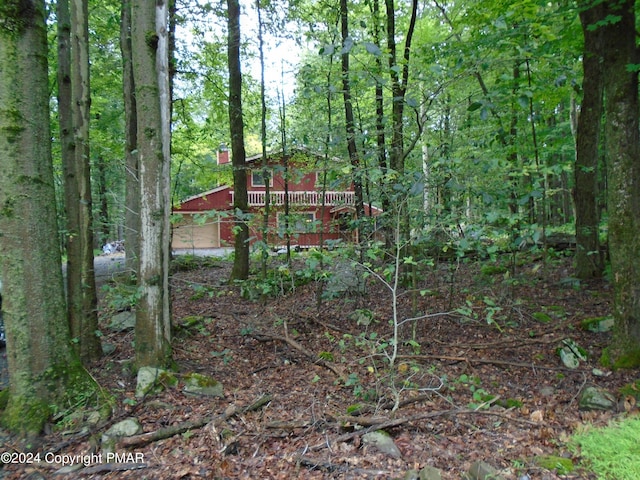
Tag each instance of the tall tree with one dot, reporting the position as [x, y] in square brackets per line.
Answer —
[354, 158]
[236, 125]
[44, 370]
[623, 175]
[149, 41]
[399, 72]
[74, 109]
[263, 140]
[589, 261]
[132, 180]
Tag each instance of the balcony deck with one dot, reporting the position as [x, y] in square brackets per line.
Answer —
[301, 198]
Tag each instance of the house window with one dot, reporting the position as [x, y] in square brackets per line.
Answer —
[257, 178]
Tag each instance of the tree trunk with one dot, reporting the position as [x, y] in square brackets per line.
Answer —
[348, 114]
[81, 286]
[398, 83]
[43, 368]
[150, 72]
[241, 201]
[132, 180]
[103, 232]
[381, 149]
[263, 140]
[398, 92]
[589, 261]
[623, 169]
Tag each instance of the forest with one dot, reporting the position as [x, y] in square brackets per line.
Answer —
[412, 239]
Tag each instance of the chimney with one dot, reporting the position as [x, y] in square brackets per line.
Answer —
[223, 155]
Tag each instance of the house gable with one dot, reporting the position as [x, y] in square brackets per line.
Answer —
[216, 199]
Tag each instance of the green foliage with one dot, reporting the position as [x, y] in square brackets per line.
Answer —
[561, 465]
[628, 359]
[488, 269]
[631, 389]
[282, 278]
[194, 323]
[122, 293]
[189, 262]
[486, 309]
[480, 398]
[611, 452]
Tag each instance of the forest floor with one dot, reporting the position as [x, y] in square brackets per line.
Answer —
[477, 377]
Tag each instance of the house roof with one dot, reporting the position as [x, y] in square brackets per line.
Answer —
[203, 201]
[204, 194]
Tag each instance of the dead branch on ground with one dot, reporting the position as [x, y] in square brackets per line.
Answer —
[381, 423]
[145, 438]
[263, 337]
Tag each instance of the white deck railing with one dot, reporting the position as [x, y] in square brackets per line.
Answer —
[256, 199]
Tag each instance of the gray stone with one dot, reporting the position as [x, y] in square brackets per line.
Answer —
[430, 473]
[598, 324]
[347, 278]
[482, 471]
[153, 380]
[594, 398]
[126, 428]
[123, 321]
[198, 384]
[411, 475]
[108, 348]
[94, 417]
[383, 442]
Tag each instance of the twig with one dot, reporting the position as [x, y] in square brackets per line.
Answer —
[167, 432]
[295, 345]
[390, 423]
[111, 467]
[488, 361]
[314, 464]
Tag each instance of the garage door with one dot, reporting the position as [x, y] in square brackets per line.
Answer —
[190, 234]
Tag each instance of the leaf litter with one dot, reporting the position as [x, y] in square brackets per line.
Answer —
[466, 387]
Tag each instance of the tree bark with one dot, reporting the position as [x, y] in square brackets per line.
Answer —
[44, 370]
[398, 83]
[352, 148]
[82, 301]
[241, 200]
[150, 72]
[623, 169]
[132, 180]
[263, 140]
[588, 261]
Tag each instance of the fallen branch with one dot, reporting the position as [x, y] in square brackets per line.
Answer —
[261, 337]
[145, 438]
[488, 361]
[330, 467]
[111, 467]
[381, 423]
[391, 404]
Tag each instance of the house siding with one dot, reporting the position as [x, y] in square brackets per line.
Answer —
[304, 198]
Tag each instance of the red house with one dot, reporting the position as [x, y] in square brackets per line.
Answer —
[206, 220]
